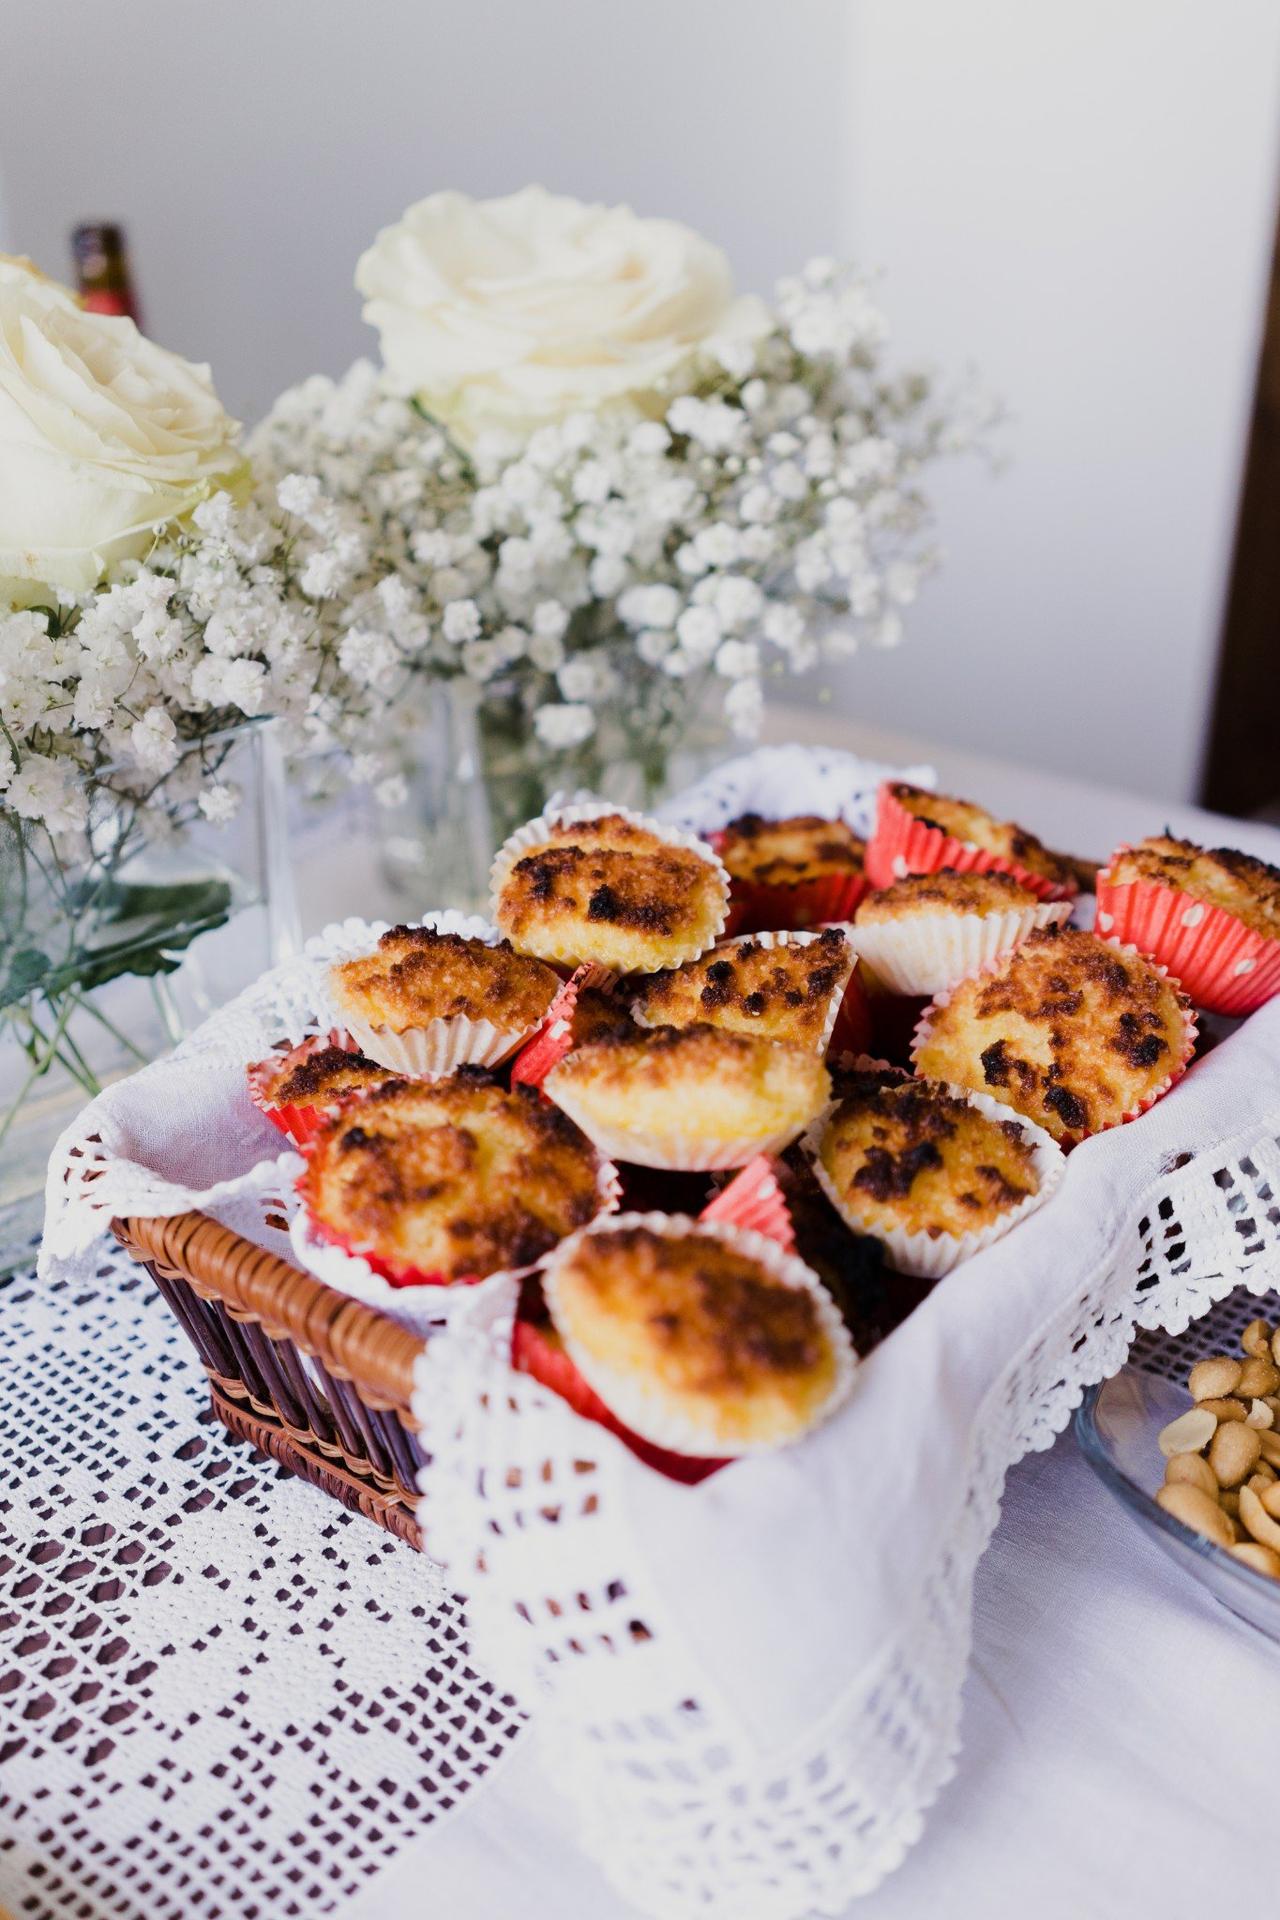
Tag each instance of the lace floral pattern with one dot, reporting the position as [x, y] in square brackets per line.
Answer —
[218, 1693]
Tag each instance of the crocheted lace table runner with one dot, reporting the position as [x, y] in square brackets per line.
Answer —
[220, 1694]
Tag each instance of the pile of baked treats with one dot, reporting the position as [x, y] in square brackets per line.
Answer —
[727, 1108]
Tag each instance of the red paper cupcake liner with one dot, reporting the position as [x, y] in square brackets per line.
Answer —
[299, 1124]
[754, 908]
[554, 1037]
[902, 844]
[534, 1352]
[1069, 1140]
[754, 1200]
[1225, 966]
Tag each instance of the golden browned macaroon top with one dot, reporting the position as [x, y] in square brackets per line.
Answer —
[1070, 1031]
[327, 1075]
[977, 828]
[706, 1324]
[454, 1176]
[415, 975]
[910, 1153]
[698, 1082]
[783, 853]
[946, 891]
[1219, 876]
[612, 890]
[601, 1013]
[781, 992]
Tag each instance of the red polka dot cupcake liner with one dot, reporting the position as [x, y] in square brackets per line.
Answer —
[1223, 965]
[902, 844]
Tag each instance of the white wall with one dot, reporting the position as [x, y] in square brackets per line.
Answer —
[254, 147]
[1076, 194]
[1083, 197]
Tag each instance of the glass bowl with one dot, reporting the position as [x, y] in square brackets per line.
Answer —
[1117, 1427]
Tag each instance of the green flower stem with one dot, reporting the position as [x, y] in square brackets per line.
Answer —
[53, 1045]
[97, 1014]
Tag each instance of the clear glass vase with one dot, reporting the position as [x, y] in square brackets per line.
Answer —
[480, 771]
[110, 953]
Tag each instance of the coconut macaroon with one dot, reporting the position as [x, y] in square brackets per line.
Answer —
[918, 832]
[710, 1341]
[451, 1180]
[1246, 888]
[928, 929]
[791, 873]
[783, 986]
[932, 1171]
[1070, 1030]
[299, 1089]
[612, 890]
[689, 1097]
[600, 1013]
[424, 1002]
[1211, 916]
[321, 1078]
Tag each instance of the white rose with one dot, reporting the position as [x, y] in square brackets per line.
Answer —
[104, 437]
[521, 310]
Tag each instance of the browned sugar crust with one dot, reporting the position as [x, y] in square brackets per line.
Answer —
[455, 1176]
[667, 1059]
[945, 891]
[323, 1077]
[415, 975]
[699, 1082]
[1219, 876]
[781, 992]
[909, 1153]
[977, 828]
[783, 853]
[1068, 1030]
[707, 1320]
[610, 874]
[601, 1013]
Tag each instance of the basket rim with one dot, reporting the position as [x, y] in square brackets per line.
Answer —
[351, 1340]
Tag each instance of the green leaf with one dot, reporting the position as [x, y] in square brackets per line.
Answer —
[137, 928]
[27, 969]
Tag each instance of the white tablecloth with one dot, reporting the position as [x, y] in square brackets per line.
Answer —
[1119, 1731]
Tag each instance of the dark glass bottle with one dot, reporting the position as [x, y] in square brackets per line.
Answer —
[103, 279]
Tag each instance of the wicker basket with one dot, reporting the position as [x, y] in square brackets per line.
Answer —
[320, 1382]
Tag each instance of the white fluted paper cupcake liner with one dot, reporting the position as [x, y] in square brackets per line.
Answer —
[770, 940]
[633, 1400]
[926, 1256]
[441, 1046]
[557, 813]
[924, 953]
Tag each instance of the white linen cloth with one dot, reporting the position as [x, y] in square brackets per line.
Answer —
[756, 1682]
[1106, 1770]
[816, 1604]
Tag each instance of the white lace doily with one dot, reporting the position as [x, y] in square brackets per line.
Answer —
[220, 1693]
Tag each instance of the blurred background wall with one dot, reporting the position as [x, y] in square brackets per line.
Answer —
[1077, 196]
